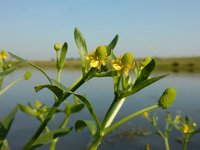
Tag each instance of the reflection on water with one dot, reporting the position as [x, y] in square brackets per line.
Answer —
[99, 92]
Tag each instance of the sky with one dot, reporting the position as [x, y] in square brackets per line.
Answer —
[157, 28]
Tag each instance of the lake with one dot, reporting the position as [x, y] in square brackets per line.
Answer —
[100, 93]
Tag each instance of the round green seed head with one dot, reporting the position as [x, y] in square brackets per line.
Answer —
[146, 61]
[127, 59]
[167, 98]
[101, 52]
[57, 46]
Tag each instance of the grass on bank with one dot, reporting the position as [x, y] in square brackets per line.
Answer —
[175, 64]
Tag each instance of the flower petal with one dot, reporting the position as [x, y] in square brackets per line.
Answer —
[94, 63]
[117, 67]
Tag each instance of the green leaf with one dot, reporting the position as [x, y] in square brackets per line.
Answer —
[17, 57]
[49, 136]
[116, 81]
[81, 124]
[76, 108]
[90, 108]
[137, 69]
[55, 89]
[58, 84]
[106, 74]
[33, 65]
[112, 45]
[81, 44]
[63, 55]
[6, 123]
[145, 72]
[142, 85]
[7, 72]
[28, 110]
[4, 145]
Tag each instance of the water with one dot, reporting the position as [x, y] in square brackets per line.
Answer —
[100, 93]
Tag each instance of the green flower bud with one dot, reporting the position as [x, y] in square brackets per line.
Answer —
[127, 59]
[146, 61]
[57, 46]
[167, 98]
[101, 52]
[27, 75]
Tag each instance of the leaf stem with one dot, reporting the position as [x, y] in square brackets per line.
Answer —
[54, 108]
[109, 129]
[10, 85]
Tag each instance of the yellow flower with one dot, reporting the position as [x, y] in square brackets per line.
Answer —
[37, 104]
[146, 114]
[98, 57]
[185, 128]
[123, 63]
[3, 54]
[57, 46]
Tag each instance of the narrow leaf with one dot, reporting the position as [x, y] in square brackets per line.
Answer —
[58, 84]
[63, 55]
[28, 110]
[7, 72]
[106, 74]
[145, 72]
[90, 108]
[81, 124]
[76, 108]
[142, 85]
[33, 65]
[55, 89]
[6, 123]
[17, 57]
[49, 136]
[112, 45]
[81, 44]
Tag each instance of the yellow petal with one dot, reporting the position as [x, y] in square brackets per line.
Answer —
[87, 58]
[126, 70]
[94, 63]
[117, 67]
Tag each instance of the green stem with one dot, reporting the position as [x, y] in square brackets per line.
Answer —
[186, 140]
[53, 110]
[58, 75]
[63, 124]
[112, 112]
[109, 129]
[166, 143]
[96, 143]
[10, 85]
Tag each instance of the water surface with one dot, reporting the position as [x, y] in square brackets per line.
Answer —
[100, 93]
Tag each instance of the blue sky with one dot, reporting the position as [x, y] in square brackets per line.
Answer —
[159, 28]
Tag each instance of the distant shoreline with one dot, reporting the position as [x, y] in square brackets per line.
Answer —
[174, 64]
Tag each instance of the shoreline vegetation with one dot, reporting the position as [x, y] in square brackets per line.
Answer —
[174, 64]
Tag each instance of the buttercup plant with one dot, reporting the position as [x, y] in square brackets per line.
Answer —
[183, 124]
[6, 68]
[129, 77]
